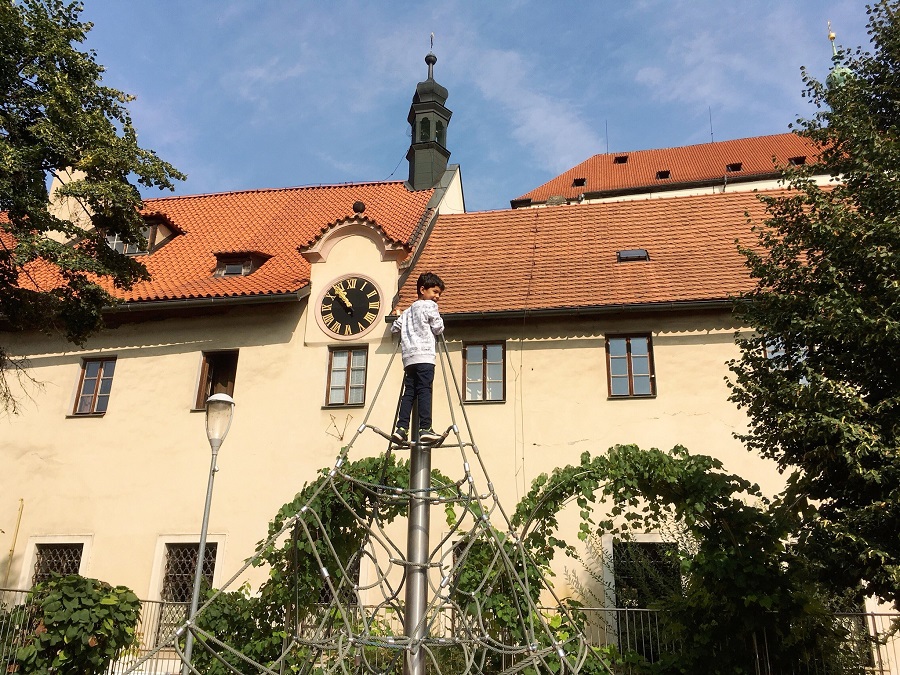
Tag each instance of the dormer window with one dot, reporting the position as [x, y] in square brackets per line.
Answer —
[155, 233]
[734, 166]
[116, 243]
[239, 264]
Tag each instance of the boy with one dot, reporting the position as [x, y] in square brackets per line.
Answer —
[417, 326]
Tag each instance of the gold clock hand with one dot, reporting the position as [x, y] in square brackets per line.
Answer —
[338, 291]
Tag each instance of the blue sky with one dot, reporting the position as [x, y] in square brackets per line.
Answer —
[273, 93]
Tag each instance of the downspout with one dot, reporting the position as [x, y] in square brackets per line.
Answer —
[12, 548]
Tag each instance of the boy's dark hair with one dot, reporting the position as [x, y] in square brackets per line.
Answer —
[429, 280]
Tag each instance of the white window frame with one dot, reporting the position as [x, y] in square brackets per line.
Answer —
[31, 549]
[158, 571]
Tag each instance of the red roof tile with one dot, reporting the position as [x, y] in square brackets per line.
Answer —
[686, 165]
[565, 256]
[270, 222]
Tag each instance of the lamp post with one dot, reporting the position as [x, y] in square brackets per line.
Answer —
[219, 411]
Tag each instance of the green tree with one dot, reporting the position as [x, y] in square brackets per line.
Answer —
[819, 377]
[57, 120]
[743, 589]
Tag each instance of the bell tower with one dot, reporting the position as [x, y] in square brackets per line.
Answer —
[428, 119]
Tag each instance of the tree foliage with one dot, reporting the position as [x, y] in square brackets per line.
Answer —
[819, 378]
[743, 586]
[57, 120]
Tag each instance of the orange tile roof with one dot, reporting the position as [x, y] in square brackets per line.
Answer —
[271, 222]
[686, 165]
[565, 256]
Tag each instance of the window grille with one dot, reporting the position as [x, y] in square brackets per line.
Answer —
[60, 558]
[178, 584]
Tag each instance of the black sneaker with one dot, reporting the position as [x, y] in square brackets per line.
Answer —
[429, 436]
[400, 435]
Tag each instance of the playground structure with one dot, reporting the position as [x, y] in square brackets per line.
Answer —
[446, 617]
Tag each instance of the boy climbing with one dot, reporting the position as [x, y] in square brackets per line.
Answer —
[418, 326]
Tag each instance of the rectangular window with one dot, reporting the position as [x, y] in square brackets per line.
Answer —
[95, 385]
[60, 558]
[347, 376]
[629, 361]
[217, 375]
[644, 572]
[485, 368]
[114, 241]
[178, 584]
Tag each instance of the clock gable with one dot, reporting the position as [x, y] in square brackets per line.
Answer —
[354, 270]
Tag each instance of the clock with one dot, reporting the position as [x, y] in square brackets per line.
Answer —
[349, 306]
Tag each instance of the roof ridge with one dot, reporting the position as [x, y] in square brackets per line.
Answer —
[684, 147]
[278, 189]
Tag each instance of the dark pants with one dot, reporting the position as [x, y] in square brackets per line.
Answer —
[417, 382]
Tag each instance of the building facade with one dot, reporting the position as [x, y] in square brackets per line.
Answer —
[570, 328]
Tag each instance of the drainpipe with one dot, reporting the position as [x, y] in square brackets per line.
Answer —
[12, 548]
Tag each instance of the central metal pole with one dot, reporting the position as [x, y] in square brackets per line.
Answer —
[201, 552]
[417, 550]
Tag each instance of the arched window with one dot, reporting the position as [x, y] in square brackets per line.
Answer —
[439, 133]
[424, 130]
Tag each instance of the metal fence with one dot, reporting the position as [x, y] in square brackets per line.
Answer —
[871, 637]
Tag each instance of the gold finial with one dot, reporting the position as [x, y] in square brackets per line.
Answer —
[832, 36]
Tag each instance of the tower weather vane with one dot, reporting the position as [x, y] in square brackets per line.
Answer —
[432, 40]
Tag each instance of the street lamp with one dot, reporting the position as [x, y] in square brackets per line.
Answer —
[219, 411]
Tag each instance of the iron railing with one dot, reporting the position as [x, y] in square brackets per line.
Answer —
[872, 637]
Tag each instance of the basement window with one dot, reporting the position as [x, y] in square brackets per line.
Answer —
[735, 166]
[632, 254]
[579, 182]
[797, 161]
[620, 159]
[662, 175]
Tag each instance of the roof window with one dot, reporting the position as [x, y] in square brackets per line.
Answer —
[579, 182]
[632, 254]
[797, 161]
[735, 166]
[620, 159]
[662, 175]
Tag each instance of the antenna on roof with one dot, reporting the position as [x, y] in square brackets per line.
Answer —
[606, 122]
[711, 137]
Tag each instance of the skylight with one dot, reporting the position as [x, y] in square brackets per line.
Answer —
[632, 254]
[736, 166]
[662, 175]
[620, 159]
[579, 182]
[797, 161]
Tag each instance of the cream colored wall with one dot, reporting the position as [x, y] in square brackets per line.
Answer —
[136, 477]
[452, 200]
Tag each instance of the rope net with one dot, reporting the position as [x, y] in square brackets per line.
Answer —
[489, 607]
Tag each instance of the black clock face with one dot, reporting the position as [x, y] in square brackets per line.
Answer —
[350, 306]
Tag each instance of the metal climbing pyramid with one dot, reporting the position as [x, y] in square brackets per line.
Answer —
[353, 591]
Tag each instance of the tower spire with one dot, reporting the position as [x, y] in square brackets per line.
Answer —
[429, 119]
